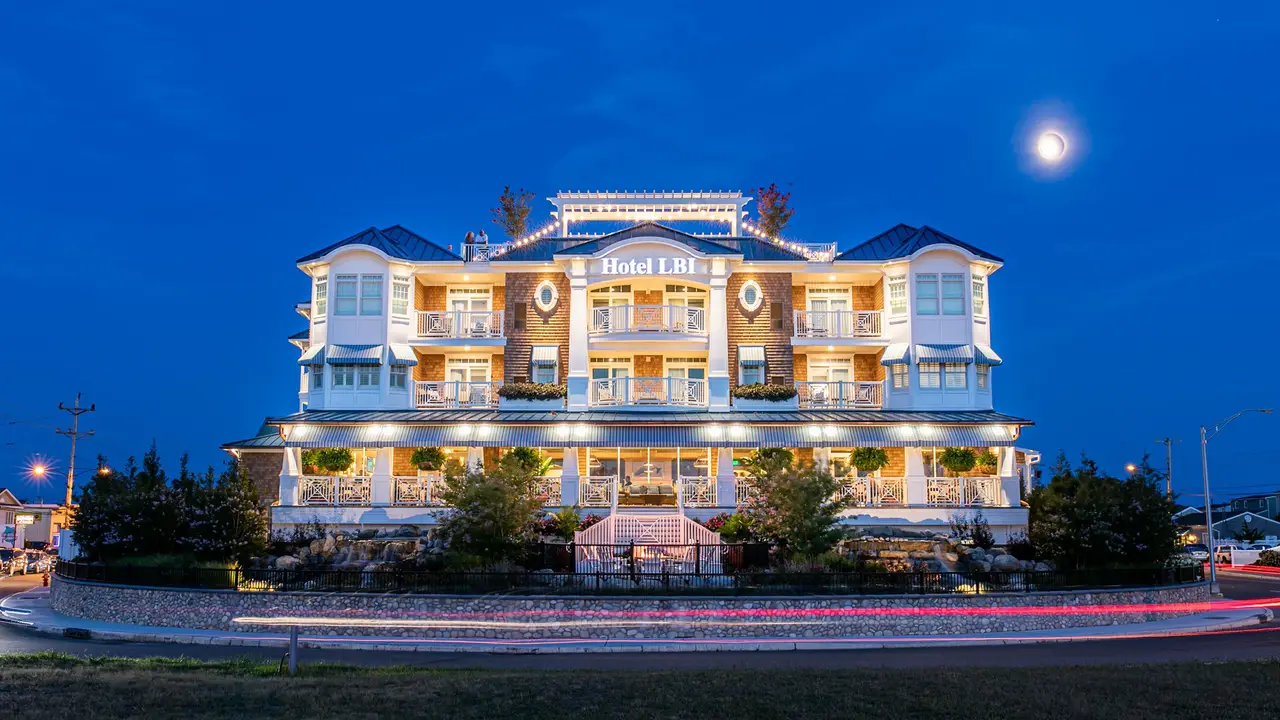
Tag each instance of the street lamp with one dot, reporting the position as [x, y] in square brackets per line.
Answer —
[1131, 468]
[1205, 436]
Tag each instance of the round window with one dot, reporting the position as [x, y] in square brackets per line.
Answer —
[545, 295]
[750, 295]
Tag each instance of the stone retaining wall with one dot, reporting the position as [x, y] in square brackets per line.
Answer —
[512, 617]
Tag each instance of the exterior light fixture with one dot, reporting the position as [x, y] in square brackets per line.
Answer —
[484, 430]
[830, 348]
[737, 431]
[563, 430]
[466, 278]
[830, 431]
[464, 430]
[580, 431]
[815, 431]
[715, 432]
[831, 277]
[299, 432]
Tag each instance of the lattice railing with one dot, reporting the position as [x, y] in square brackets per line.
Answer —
[697, 491]
[417, 490]
[548, 488]
[874, 491]
[684, 392]
[450, 394]
[838, 323]
[597, 490]
[316, 489]
[648, 318]
[460, 323]
[962, 491]
[840, 394]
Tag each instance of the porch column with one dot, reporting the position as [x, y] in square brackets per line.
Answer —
[569, 478]
[1010, 484]
[579, 376]
[380, 484]
[475, 458]
[822, 459]
[718, 339]
[726, 485]
[290, 470]
[916, 493]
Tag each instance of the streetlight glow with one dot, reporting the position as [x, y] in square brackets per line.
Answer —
[1131, 467]
[39, 470]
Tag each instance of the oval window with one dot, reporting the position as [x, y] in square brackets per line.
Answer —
[750, 295]
[545, 295]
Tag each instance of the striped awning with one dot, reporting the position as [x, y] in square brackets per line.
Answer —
[926, 353]
[313, 356]
[751, 355]
[986, 356]
[545, 356]
[896, 354]
[354, 355]
[648, 436]
[402, 355]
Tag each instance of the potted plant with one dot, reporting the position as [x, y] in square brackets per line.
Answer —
[958, 460]
[326, 460]
[430, 459]
[987, 462]
[869, 459]
[531, 396]
[760, 396]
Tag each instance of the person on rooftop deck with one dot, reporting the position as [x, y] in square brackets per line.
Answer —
[482, 239]
[470, 239]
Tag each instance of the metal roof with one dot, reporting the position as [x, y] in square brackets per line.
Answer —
[640, 418]
[902, 241]
[301, 335]
[268, 438]
[934, 353]
[396, 241]
[354, 355]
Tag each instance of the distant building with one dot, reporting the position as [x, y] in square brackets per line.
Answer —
[1266, 505]
[29, 524]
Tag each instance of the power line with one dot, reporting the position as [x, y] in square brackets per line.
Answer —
[75, 434]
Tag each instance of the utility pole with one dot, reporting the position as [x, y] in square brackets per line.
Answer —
[75, 434]
[1168, 463]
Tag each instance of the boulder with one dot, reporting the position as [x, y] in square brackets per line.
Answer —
[950, 557]
[1004, 563]
[892, 554]
[996, 552]
[316, 547]
[329, 545]
[407, 531]
[1026, 565]
[920, 555]
[1043, 567]
[980, 565]
[368, 534]
[287, 562]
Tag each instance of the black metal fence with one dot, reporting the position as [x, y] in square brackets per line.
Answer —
[630, 578]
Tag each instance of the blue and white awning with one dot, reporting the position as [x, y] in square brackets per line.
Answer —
[354, 355]
[986, 356]
[927, 353]
[545, 356]
[751, 355]
[402, 355]
[313, 356]
[896, 354]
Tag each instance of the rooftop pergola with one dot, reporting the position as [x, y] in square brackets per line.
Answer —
[658, 206]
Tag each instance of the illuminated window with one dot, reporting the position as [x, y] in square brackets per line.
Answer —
[400, 296]
[898, 295]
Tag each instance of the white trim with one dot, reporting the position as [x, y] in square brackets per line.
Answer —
[537, 295]
[742, 292]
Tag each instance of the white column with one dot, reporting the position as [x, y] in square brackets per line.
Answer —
[822, 459]
[916, 493]
[475, 458]
[718, 335]
[290, 469]
[569, 478]
[726, 485]
[1009, 482]
[380, 490]
[579, 375]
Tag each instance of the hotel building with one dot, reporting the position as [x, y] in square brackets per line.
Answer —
[652, 309]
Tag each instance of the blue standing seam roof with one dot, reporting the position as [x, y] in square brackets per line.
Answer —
[648, 419]
[931, 353]
[313, 356]
[354, 355]
[395, 241]
[902, 241]
[751, 249]
[985, 355]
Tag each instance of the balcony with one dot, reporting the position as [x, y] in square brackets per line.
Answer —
[840, 395]
[963, 491]
[838, 324]
[597, 490]
[460, 324]
[677, 319]
[431, 394]
[874, 491]
[483, 252]
[417, 490]
[650, 392]
[335, 489]
[697, 491]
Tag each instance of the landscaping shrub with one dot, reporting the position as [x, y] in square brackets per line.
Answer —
[761, 391]
[1020, 547]
[869, 459]
[1269, 558]
[532, 391]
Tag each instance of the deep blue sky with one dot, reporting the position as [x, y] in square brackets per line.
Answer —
[162, 166]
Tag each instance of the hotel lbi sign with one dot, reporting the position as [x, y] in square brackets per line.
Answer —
[648, 266]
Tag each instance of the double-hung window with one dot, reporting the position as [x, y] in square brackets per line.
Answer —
[901, 376]
[927, 294]
[399, 377]
[898, 295]
[984, 377]
[317, 376]
[400, 289]
[367, 376]
[322, 299]
[930, 375]
[979, 296]
[956, 375]
[344, 302]
[953, 294]
[344, 376]
[370, 294]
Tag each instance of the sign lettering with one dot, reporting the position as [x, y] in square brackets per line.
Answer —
[649, 266]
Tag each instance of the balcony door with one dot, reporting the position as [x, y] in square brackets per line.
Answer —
[468, 381]
[608, 383]
[470, 310]
[828, 308]
[693, 298]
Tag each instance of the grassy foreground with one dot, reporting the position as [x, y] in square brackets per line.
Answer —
[60, 686]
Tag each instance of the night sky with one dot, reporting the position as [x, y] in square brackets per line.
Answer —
[164, 164]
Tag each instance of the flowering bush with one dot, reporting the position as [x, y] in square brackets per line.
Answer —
[1269, 558]
[588, 521]
[793, 507]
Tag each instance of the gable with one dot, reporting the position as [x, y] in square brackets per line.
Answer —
[8, 499]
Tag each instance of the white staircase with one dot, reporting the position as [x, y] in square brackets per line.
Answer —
[647, 526]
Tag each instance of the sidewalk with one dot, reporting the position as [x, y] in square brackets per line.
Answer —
[31, 609]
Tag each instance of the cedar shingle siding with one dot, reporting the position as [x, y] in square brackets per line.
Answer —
[540, 328]
[757, 328]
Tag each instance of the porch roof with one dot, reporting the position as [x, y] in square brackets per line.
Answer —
[633, 418]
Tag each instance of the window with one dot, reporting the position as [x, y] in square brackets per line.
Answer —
[544, 374]
[901, 376]
[370, 294]
[400, 296]
[750, 295]
[979, 296]
[930, 375]
[367, 376]
[322, 299]
[927, 294]
[543, 362]
[952, 294]
[751, 362]
[317, 376]
[956, 375]
[984, 377]
[399, 377]
[345, 301]
[344, 376]
[546, 295]
[753, 375]
[898, 295]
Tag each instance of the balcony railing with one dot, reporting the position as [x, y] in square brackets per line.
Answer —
[838, 323]
[874, 491]
[962, 491]
[697, 491]
[335, 489]
[483, 252]
[451, 394]
[683, 392]
[548, 488]
[597, 490]
[648, 318]
[460, 323]
[820, 252]
[419, 490]
[840, 394]
[743, 489]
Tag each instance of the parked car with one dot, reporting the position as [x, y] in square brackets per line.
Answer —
[1196, 551]
[12, 562]
[1259, 546]
[38, 562]
[1222, 551]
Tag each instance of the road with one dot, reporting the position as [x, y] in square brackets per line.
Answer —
[1251, 644]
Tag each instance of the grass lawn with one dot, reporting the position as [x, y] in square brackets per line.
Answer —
[57, 686]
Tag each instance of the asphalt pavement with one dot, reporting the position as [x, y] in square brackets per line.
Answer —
[1258, 642]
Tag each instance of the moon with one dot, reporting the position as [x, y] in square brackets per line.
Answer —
[1051, 146]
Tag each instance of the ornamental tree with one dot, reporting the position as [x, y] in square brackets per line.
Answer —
[512, 213]
[774, 210]
[796, 508]
[494, 511]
